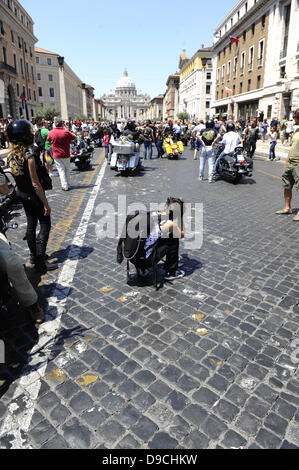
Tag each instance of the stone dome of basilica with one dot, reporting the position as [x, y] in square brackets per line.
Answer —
[126, 82]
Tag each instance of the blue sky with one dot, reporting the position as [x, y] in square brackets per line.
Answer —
[100, 38]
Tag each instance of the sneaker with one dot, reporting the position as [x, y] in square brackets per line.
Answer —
[179, 274]
[36, 313]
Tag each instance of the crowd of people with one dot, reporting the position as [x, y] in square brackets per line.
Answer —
[33, 149]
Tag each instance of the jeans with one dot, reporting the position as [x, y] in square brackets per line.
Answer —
[168, 247]
[34, 211]
[207, 153]
[272, 151]
[106, 152]
[159, 146]
[63, 166]
[12, 266]
[148, 150]
[250, 148]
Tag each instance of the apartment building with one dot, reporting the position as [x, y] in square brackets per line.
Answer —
[58, 85]
[255, 64]
[18, 87]
[195, 93]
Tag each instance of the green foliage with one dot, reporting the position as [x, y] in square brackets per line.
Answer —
[183, 116]
[48, 112]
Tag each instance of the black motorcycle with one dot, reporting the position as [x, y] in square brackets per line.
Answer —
[235, 166]
[81, 155]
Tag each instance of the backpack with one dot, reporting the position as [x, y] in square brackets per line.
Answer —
[132, 248]
[39, 141]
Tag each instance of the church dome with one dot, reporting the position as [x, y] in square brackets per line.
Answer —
[126, 82]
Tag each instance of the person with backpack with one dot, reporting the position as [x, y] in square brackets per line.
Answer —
[147, 240]
[251, 136]
[11, 264]
[32, 181]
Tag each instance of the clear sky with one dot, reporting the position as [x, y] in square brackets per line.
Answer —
[100, 38]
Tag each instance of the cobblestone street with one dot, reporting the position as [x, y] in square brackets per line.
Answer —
[205, 362]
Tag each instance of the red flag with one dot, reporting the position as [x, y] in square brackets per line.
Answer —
[234, 40]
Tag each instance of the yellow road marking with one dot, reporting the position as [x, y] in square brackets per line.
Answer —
[269, 174]
[58, 233]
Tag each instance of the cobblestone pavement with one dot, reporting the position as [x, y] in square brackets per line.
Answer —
[204, 362]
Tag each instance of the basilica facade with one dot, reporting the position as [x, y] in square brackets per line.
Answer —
[125, 102]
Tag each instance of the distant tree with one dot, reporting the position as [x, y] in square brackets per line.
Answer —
[183, 116]
[81, 117]
[48, 112]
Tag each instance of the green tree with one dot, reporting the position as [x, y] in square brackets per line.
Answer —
[183, 116]
[48, 112]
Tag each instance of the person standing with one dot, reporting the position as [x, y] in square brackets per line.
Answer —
[60, 140]
[283, 126]
[148, 141]
[196, 134]
[273, 143]
[207, 139]
[251, 136]
[106, 143]
[290, 177]
[24, 161]
[264, 127]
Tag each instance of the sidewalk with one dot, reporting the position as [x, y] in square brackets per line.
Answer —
[262, 149]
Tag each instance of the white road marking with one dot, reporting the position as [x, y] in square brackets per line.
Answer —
[16, 425]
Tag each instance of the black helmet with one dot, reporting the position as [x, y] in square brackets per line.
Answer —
[20, 132]
[230, 127]
[210, 124]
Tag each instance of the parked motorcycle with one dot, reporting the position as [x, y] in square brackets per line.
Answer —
[125, 157]
[173, 149]
[235, 166]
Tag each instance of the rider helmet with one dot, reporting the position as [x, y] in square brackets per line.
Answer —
[210, 124]
[20, 132]
[230, 127]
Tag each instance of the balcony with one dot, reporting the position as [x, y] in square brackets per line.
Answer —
[260, 62]
[250, 66]
[7, 68]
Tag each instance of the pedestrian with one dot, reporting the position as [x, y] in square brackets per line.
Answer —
[289, 131]
[264, 128]
[12, 265]
[48, 156]
[148, 141]
[283, 127]
[30, 175]
[106, 143]
[207, 139]
[60, 140]
[273, 143]
[290, 177]
[159, 140]
[196, 134]
[250, 137]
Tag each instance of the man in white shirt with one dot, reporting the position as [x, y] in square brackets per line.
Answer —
[230, 142]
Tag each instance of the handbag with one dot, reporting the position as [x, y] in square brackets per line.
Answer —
[44, 178]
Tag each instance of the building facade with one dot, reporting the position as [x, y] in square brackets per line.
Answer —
[125, 102]
[195, 93]
[58, 85]
[255, 64]
[18, 87]
[171, 97]
[155, 111]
